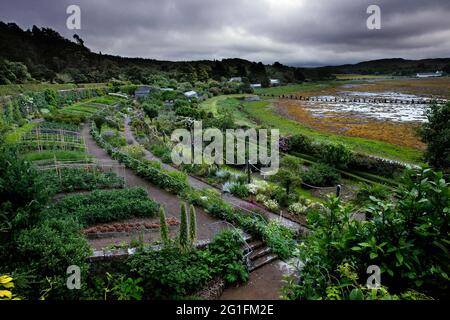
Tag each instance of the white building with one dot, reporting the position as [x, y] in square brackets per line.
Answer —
[274, 82]
[430, 74]
[191, 94]
[235, 79]
[256, 85]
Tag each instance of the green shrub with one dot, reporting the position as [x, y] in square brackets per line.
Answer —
[47, 251]
[280, 239]
[240, 190]
[170, 273]
[366, 192]
[336, 155]
[321, 175]
[227, 256]
[162, 151]
[407, 239]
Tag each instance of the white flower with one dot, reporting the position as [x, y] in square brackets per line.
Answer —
[272, 205]
[227, 186]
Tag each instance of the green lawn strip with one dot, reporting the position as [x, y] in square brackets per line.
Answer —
[297, 88]
[263, 113]
[232, 104]
[60, 155]
[211, 105]
[108, 100]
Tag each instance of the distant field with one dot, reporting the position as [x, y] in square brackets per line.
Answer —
[293, 88]
[360, 76]
[438, 87]
[14, 89]
[263, 113]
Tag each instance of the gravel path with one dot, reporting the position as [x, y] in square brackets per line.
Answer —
[170, 201]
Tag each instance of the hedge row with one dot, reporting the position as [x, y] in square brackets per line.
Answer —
[340, 156]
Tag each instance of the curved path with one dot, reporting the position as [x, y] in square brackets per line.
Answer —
[198, 184]
[170, 201]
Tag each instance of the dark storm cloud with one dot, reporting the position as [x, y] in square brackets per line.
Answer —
[300, 32]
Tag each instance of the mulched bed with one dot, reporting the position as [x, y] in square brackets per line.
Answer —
[127, 227]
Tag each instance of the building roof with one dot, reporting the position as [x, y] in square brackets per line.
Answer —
[191, 94]
[142, 91]
[236, 79]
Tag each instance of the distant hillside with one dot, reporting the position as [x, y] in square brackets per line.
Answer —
[397, 67]
[43, 54]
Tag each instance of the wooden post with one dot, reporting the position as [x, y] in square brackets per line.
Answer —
[338, 190]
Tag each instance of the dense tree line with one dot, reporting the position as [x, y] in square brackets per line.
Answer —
[44, 55]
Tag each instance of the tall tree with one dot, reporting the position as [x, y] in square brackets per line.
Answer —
[192, 224]
[436, 134]
[163, 226]
[184, 232]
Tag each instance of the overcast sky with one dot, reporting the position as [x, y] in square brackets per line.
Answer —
[294, 32]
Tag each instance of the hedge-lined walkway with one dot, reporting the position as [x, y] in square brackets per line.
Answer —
[170, 201]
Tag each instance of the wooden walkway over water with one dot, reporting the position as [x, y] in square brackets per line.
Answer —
[357, 99]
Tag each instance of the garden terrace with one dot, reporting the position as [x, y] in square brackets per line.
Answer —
[105, 206]
[40, 139]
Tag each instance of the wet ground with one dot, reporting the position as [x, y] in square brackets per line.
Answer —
[264, 283]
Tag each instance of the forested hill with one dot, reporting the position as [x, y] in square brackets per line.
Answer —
[43, 54]
[49, 56]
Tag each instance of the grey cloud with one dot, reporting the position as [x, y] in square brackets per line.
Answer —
[298, 32]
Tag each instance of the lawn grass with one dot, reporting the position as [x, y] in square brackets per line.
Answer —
[60, 155]
[232, 104]
[211, 105]
[263, 113]
[109, 100]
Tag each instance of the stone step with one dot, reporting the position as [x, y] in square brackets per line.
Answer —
[253, 245]
[258, 253]
[260, 262]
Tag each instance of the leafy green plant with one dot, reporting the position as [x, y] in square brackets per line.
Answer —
[105, 206]
[74, 179]
[408, 239]
[170, 273]
[227, 256]
[280, 239]
[321, 175]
